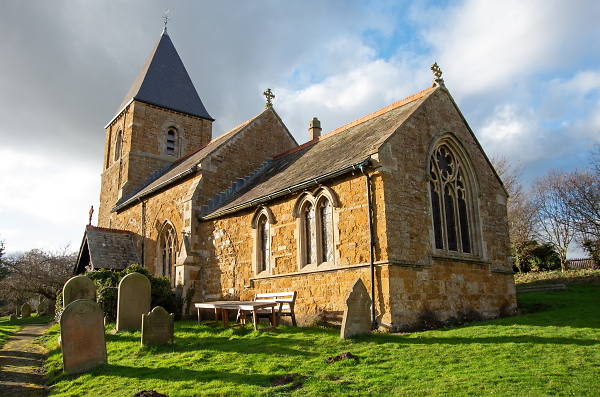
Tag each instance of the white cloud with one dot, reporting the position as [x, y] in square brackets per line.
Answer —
[54, 189]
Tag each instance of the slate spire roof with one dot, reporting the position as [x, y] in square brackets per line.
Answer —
[164, 81]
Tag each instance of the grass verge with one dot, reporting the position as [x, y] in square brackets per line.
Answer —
[552, 349]
[583, 276]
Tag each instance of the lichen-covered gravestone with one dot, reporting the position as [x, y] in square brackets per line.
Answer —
[356, 313]
[133, 301]
[26, 310]
[157, 327]
[42, 309]
[78, 287]
[12, 317]
[83, 343]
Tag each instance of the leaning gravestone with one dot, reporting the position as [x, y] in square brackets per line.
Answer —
[51, 304]
[133, 301]
[356, 313]
[79, 287]
[26, 310]
[157, 327]
[83, 344]
[12, 317]
[42, 309]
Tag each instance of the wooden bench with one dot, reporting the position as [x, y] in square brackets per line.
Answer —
[285, 300]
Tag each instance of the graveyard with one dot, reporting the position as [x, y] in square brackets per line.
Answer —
[553, 348]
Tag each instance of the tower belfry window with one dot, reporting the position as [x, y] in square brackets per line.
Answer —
[171, 142]
[118, 146]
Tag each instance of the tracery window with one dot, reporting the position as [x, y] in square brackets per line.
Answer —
[326, 231]
[449, 201]
[310, 235]
[168, 251]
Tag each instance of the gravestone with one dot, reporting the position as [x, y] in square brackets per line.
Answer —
[78, 287]
[157, 327]
[51, 304]
[26, 311]
[82, 339]
[42, 309]
[133, 301]
[357, 315]
[12, 317]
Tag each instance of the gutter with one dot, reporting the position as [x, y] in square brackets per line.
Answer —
[287, 190]
[155, 188]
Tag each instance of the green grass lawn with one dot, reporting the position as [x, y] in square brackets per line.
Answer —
[552, 349]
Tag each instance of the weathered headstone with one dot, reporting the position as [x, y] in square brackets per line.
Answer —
[42, 309]
[133, 301]
[157, 327]
[79, 287]
[25, 310]
[51, 304]
[357, 317]
[12, 317]
[83, 343]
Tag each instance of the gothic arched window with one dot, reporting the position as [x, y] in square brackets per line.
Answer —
[265, 249]
[168, 251]
[316, 230]
[449, 201]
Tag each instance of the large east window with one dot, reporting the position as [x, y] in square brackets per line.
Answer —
[450, 201]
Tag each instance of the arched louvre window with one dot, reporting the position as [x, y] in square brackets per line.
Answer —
[310, 234]
[171, 142]
[168, 252]
[449, 201]
[265, 251]
[326, 231]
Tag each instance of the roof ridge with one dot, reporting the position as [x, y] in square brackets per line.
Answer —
[106, 229]
[356, 122]
[231, 131]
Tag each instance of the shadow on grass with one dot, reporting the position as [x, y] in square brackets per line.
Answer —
[179, 374]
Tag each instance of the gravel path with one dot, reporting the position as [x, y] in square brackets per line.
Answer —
[19, 360]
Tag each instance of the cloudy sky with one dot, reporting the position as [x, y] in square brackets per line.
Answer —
[526, 75]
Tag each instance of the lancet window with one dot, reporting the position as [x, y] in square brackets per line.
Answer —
[450, 201]
[315, 227]
[171, 135]
[262, 222]
[264, 243]
[118, 145]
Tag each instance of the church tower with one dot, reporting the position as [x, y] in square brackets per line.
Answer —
[160, 120]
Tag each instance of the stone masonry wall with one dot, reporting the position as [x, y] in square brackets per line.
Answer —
[143, 152]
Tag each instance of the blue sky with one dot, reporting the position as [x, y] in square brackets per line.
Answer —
[526, 75]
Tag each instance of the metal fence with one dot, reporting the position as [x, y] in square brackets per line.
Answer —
[583, 263]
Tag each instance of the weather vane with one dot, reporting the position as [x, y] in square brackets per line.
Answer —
[166, 18]
[437, 72]
[269, 95]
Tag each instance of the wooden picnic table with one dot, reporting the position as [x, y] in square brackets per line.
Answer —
[242, 306]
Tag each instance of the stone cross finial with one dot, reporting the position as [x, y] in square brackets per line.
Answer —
[269, 95]
[91, 213]
[437, 72]
[166, 18]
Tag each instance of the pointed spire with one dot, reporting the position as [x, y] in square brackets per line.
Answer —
[164, 82]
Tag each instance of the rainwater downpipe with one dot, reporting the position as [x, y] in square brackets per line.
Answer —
[371, 245]
[143, 231]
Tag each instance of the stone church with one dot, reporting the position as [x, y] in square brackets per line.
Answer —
[404, 198]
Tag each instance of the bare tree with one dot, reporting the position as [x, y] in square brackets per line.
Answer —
[554, 213]
[521, 209]
[36, 272]
[582, 195]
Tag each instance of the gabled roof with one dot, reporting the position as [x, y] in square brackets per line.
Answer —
[103, 248]
[163, 81]
[330, 155]
[185, 165]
